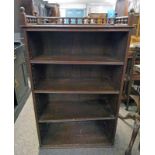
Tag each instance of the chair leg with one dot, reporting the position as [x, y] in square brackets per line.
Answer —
[129, 116]
[133, 137]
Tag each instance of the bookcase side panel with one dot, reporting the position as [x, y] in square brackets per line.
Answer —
[29, 55]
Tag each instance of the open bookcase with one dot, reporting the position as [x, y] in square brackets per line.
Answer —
[77, 73]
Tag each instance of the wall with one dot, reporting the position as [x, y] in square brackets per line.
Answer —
[99, 8]
[134, 4]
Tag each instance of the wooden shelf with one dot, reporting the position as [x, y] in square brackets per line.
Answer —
[90, 86]
[76, 111]
[74, 134]
[71, 59]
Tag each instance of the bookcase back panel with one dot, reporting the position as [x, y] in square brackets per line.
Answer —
[83, 73]
[75, 97]
[108, 44]
[84, 134]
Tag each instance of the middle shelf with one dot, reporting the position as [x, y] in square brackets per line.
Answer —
[98, 79]
[75, 107]
[90, 110]
[76, 59]
[92, 86]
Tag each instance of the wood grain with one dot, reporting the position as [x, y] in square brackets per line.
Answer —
[81, 86]
[71, 59]
[78, 134]
[62, 111]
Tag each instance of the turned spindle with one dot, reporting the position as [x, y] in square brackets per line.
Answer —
[23, 16]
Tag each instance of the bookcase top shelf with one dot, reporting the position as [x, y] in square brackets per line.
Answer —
[70, 28]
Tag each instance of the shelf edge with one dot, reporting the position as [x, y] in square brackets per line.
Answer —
[78, 119]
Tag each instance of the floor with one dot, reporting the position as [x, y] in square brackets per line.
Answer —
[26, 141]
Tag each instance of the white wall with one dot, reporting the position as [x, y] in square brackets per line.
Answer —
[99, 8]
[94, 6]
[82, 1]
[134, 4]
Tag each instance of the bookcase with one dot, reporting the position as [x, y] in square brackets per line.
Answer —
[77, 74]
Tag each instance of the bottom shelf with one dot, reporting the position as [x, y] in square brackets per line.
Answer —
[77, 134]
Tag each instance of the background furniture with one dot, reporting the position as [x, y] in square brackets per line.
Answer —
[131, 93]
[32, 7]
[132, 76]
[52, 10]
[136, 118]
[136, 127]
[134, 20]
[122, 7]
[77, 79]
[21, 87]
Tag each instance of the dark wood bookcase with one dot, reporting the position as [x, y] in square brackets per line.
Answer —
[77, 74]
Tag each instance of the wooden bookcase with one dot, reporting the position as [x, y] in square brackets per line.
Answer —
[77, 74]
